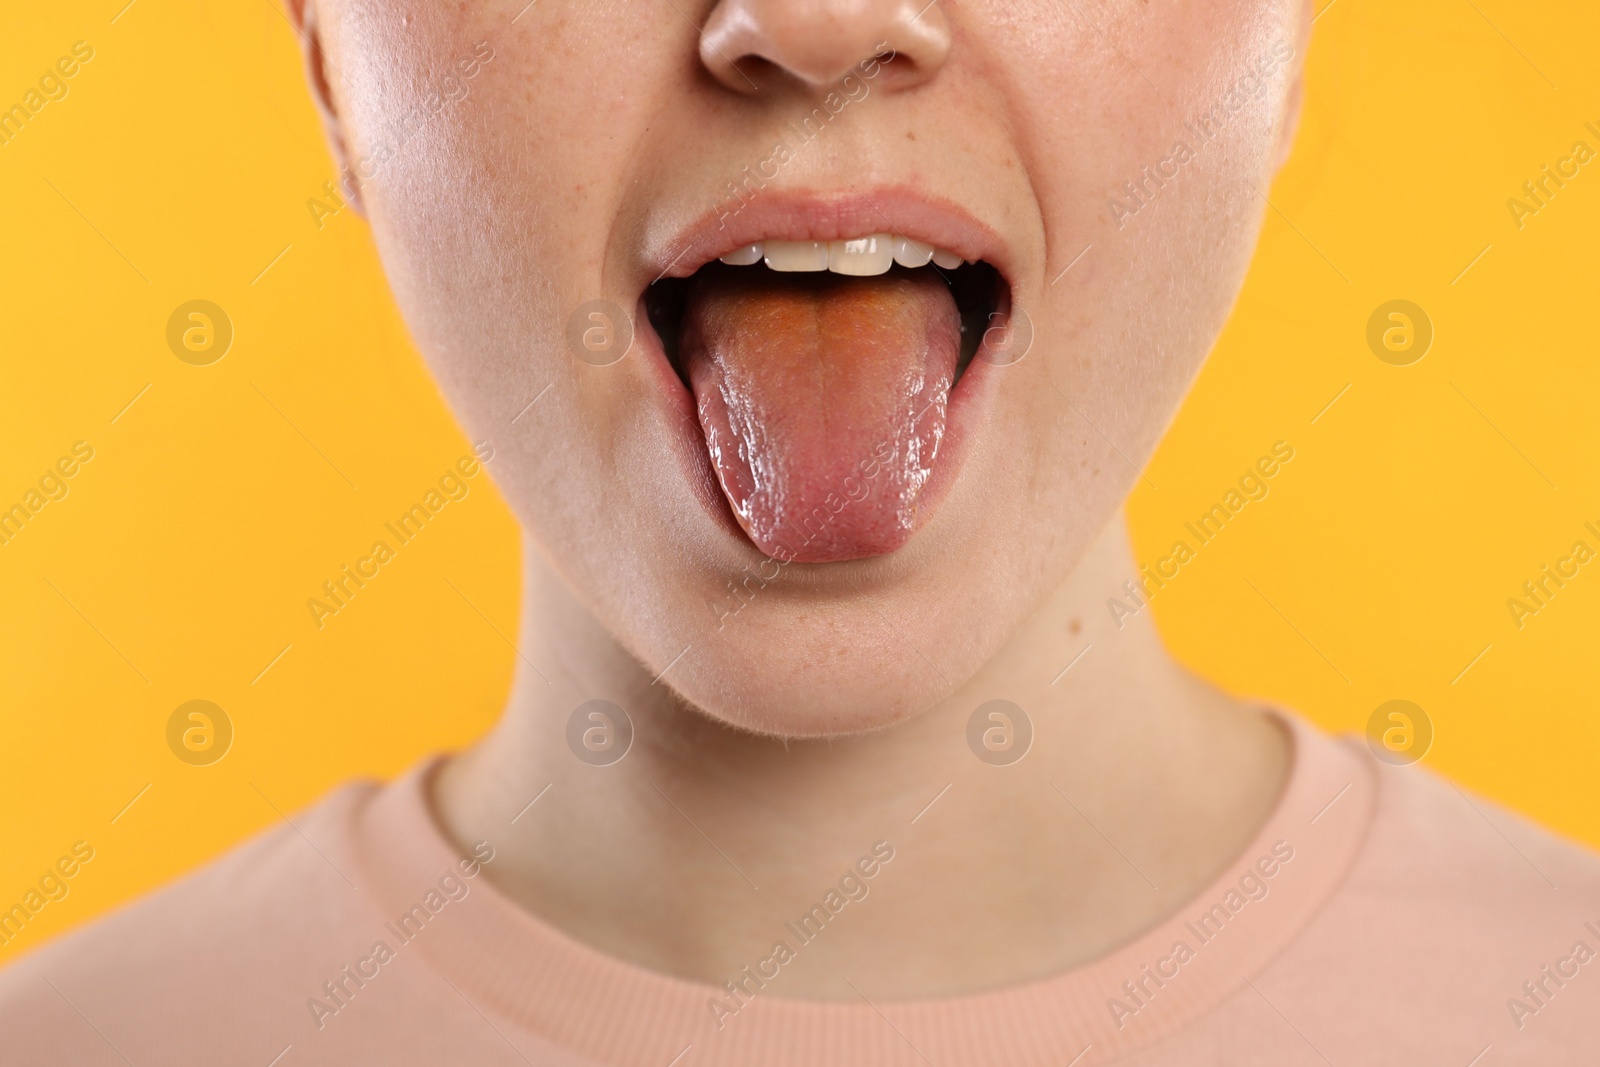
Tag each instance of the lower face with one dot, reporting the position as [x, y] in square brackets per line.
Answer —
[896, 352]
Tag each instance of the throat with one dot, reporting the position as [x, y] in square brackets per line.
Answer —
[738, 835]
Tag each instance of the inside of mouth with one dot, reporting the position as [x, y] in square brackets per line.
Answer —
[977, 289]
[822, 396]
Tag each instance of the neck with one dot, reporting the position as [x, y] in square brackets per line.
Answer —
[691, 853]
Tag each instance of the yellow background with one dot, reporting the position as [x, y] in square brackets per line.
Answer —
[179, 565]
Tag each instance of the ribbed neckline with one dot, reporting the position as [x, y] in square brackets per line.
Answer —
[507, 961]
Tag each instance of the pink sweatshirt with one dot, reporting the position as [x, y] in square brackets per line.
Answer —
[1380, 917]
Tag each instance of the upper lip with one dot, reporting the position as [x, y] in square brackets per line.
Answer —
[771, 215]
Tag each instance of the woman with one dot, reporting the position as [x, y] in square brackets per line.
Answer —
[798, 334]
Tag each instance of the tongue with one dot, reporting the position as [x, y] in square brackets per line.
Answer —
[822, 399]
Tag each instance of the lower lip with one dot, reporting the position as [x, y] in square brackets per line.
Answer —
[969, 399]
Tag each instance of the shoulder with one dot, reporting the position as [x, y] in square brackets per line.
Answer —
[1457, 927]
[173, 970]
[1436, 840]
[1460, 926]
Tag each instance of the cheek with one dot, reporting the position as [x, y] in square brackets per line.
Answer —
[545, 145]
[1129, 325]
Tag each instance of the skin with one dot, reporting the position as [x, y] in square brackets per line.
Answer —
[832, 707]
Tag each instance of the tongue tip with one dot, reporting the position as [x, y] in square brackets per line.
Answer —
[835, 532]
[834, 549]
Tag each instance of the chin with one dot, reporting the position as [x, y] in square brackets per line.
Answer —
[833, 649]
[824, 682]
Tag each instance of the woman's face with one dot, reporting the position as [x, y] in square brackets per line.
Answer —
[841, 491]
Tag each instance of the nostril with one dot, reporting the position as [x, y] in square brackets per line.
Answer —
[757, 71]
[748, 44]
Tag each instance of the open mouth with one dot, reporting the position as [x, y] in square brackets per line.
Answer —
[822, 374]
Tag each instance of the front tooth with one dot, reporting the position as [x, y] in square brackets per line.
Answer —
[863, 256]
[909, 253]
[947, 260]
[796, 255]
[745, 256]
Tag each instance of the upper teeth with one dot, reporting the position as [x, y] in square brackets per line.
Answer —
[860, 256]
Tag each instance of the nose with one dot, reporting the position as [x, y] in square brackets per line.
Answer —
[817, 42]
